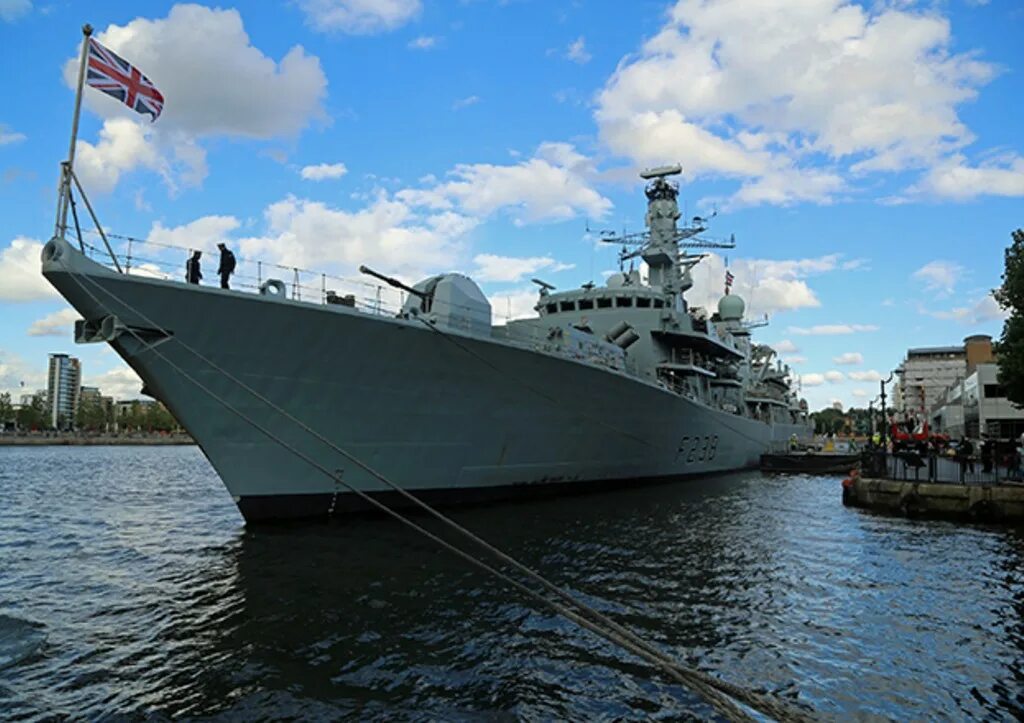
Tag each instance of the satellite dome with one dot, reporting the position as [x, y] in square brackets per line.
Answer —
[731, 307]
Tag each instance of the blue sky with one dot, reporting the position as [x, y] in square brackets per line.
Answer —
[866, 156]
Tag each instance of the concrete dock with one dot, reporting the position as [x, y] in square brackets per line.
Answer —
[1002, 502]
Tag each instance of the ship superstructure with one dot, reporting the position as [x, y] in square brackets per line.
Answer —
[616, 384]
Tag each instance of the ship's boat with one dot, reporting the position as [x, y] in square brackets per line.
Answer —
[296, 403]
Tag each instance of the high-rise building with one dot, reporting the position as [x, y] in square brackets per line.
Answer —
[63, 390]
[928, 374]
[924, 376]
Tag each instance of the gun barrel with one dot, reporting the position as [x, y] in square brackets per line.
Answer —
[390, 281]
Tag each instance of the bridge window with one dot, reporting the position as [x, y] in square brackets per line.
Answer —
[643, 302]
[586, 304]
[604, 303]
[623, 300]
[568, 305]
[659, 303]
[552, 308]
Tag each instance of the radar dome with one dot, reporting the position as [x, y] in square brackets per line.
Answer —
[731, 307]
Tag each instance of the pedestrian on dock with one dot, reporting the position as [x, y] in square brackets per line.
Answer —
[227, 264]
[987, 455]
[193, 274]
[964, 452]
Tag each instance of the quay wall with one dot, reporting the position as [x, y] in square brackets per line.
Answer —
[41, 440]
[977, 502]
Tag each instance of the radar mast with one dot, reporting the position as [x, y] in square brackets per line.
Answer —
[662, 246]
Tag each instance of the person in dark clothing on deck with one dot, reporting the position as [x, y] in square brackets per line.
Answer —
[227, 265]
[192, 273]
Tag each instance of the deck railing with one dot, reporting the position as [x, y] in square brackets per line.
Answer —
[142, 257]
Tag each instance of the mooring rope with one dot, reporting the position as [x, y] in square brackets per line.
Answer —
[721, 694]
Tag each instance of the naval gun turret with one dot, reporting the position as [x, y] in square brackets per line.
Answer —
[453, 301]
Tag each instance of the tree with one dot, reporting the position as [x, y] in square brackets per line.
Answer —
[6, 409]
[33, 415]
[91, 415]
[1010, 296]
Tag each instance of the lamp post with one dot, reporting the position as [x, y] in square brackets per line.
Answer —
[884, 431]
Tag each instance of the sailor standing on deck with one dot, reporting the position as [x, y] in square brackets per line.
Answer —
[192, 273]
[227, 265]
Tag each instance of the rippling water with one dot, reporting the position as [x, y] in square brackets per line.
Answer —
[130, 587]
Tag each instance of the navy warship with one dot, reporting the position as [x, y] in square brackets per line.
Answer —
[615, 384]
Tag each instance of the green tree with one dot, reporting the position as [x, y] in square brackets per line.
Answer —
[91, 415]
[159, 419]
[33, 415]
[1010, 297]
[6, 409]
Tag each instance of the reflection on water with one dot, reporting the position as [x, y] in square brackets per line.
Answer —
[149, 597]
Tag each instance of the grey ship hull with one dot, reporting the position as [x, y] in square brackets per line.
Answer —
[451, 418]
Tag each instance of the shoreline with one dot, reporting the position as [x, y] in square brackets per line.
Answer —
[99, 441]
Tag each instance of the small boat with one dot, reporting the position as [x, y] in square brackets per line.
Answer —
[810, 462]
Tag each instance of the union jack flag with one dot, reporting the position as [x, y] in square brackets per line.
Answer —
[728, 278]
[115, 76]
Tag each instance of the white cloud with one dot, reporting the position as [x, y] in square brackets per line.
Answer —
[767, 285]
[958, 180]
[977, 312]
[514, 304]
[423, 42]
[323, 171]
[786, 347]
[59, 323]
[795, 359]
[859, 393]
[939, 276]
[811, 380]
[20, 275]
[173, 53]
[577, 51]
[831, 329]
[772, 87]
[465, 102]
[10, 137]
[850, 357]
[490, 267]
[555, 184]
[359, 17]
[387, 233]
[126, 145]
[11, 10]
[834, 377]
[413, 232]
[121, 382]
[18, 377]
[866, 376]
[203, 234]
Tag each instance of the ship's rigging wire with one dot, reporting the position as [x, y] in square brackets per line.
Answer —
[723, 696]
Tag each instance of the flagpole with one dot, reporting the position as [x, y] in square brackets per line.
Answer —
[64, 191]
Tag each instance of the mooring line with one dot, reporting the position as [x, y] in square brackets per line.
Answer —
[711, 688]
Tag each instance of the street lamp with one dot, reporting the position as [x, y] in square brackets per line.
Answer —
[882, 384]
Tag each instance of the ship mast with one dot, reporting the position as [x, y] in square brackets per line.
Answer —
[663, 245]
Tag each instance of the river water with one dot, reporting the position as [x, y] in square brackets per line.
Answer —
[129, 587]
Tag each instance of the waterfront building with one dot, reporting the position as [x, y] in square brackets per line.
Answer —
[928, 372]
[63, 390]
[977, 406]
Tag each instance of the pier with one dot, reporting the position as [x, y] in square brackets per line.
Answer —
[975, 502]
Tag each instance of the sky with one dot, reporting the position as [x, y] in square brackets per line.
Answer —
[867, 156]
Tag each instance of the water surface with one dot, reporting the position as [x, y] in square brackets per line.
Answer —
[129, 587]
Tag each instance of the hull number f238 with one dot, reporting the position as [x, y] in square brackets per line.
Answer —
[697, 449]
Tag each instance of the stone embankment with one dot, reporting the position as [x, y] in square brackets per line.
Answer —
[75, 440]
[1002, 502]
